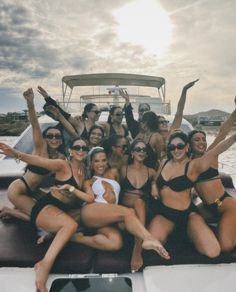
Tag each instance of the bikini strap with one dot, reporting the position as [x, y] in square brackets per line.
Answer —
[186, 168]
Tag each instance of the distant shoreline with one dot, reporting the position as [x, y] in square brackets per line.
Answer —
[13, 128]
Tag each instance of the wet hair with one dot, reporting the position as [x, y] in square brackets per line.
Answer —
[192, 133]
[111, 112]
[61, 148]
[144, 103]
[176, 134]
[151, 120]
[132, 146]
[96, 127]
[111, 141]
[87, 109]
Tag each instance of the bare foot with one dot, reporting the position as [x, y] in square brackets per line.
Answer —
[42, 272]
[6, 213]
[137, 259]
[152, 243]
[44, 238]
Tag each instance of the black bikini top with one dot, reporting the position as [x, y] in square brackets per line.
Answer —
[177, 184]
[38, 170]
[71, 181]
[112, 131]
[146, 187]
[209, 174]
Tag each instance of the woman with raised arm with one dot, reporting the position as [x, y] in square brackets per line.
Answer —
[81, 124]
[104, 211]
[176, 177]
[49, 212]
[114, 123]
[24, 191]
[136, 184]
[209, 187]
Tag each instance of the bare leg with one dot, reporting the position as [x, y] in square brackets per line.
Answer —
[100, 215]
[56, 221]
[108, 238]
[227, 226]
[6, 213]
[137, 259]
[202, 236]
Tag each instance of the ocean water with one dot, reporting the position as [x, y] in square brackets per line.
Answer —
[227, 160]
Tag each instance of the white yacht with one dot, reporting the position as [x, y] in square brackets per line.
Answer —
[80, 268]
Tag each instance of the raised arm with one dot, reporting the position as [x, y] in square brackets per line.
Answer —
[180, 107]
[54, 165]
[224, 129]
[37, 134]
[66, 124]
[203, 163]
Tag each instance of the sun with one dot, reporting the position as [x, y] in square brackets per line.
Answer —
[144, 23]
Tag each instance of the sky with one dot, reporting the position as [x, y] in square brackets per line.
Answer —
[180, 40]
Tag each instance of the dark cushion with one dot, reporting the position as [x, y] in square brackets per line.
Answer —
[18, 248]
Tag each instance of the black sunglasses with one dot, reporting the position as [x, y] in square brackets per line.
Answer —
[142, 110]
[172, 147]
[96, 112]
[119, 114]
[140, 149]
[123, 147]
[78, 148]
[164, 122]
[56, 136]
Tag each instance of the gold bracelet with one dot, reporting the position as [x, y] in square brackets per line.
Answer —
[18, 158]
[71, 189]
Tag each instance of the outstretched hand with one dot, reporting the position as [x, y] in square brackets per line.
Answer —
[124, 94]
[42, 91]
[190, 84]
[28, 94]
[7, 150]
[54, 111]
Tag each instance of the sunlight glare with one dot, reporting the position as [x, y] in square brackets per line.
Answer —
[145, 23]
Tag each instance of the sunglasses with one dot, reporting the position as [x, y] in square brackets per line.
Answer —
[179, 146]
[142, 110]
[119, 114]
[78, 148]
[123, 147]
[96, 112]
[139, 149]
[56, 136]
[164, 122]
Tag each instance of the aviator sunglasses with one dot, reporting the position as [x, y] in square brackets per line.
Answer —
[56, 136]
[78, 148]
[142, 110]
[179, 146]
[123, 147]
[140, 149]
[164, 122]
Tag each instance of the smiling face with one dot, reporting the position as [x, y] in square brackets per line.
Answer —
[163, 124]
[178, 149]
[99, 163]
[120, 148]
[139, 152]
[198, 143]
[53, 138]
[79, 150]
[95, 137]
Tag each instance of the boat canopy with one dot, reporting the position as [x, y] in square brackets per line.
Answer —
[112, 79]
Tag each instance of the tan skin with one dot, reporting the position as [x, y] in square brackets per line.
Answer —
[44, 147]
[99, 216]
[50, 218]
[118, 158]
[77, 122]
[197, 230]
[116, 121]
[211, 190]
[95, 138]
[137, 173]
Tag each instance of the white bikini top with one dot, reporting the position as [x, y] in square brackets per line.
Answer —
[99, 190]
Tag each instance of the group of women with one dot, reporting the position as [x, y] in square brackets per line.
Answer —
[107, 184]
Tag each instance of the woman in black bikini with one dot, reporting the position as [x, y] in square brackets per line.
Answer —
[49, 212]
[136, 185]
[24, 191]
[174, 182]
[215, 199]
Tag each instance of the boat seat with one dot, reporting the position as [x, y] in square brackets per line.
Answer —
[18, 248]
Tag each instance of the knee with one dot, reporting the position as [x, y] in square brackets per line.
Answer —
[213, 252]
[71, 226]
[116, 242]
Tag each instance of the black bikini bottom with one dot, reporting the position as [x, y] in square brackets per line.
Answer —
[213, 208]
[44, 201]
[178, 217]
[28, 189]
